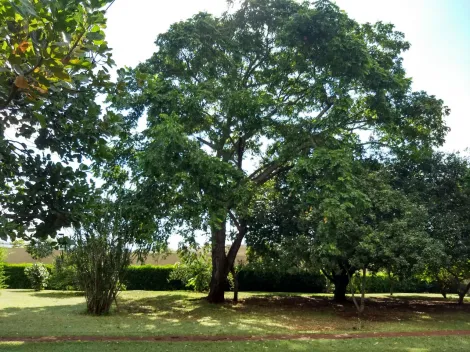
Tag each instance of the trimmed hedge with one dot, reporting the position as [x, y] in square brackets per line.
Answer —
[379, 283]
[15, 276]
[251, 280]
[155, 278]
[151, 277]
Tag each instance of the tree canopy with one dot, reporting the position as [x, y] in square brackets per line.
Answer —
[54, 63]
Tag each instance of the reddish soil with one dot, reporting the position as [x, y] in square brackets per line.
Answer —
[218, 338]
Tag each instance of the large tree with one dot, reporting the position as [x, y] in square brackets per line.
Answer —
[233, 101]
[53, 65]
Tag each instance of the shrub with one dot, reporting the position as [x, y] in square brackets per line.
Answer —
[38, 276]
[195, 271]
[100, 261]
[64, 274]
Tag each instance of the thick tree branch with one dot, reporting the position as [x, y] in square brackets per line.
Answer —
[259, 172]
[329, 277]
[232, 253]
[324, 111]
[234, 220]
[212, 145]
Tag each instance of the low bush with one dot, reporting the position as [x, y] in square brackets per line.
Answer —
[38, 276]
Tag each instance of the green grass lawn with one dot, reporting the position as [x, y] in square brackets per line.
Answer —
[144, 313]
[413, 344]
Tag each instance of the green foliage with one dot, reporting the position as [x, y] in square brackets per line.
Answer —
[269, 281]
[102, 252]
[380, 283]
[340, 212]
[53, 65]
[195, 269]
[39, 250]
[274, 80]
[46, 44]
[3, 277]
[64, 274]
[441, 183]
[38, 276]
[16, 277]
[157, 278]
[18, 243]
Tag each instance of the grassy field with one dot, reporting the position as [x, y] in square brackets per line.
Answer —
[146, 313]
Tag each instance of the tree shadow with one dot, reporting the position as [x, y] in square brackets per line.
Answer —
[180, 313]
[58, 294]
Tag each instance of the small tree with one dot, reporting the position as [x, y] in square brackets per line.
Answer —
[100, 256]
[102, 250]
[38, 275]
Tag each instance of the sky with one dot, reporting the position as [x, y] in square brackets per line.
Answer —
[438, 30]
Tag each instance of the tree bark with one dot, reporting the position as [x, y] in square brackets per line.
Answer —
[463, 293]
[390, 281]
[235, 284]
[222, 263]
[219, 266]
[444, 294]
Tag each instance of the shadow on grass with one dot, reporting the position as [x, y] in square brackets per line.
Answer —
[58, 294]
[182, 313]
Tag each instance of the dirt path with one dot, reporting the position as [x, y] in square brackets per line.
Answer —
[216, 338]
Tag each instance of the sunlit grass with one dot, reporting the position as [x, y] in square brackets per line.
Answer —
[58, 313]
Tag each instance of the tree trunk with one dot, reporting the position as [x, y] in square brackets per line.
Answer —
[221, 262]
[462, 293]
[360, 306]
[219, 267]
[341, 281]
[235, 284]
[390, 281]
